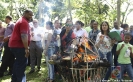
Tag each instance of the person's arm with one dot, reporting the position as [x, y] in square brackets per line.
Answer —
[118, 49]
[131, 52]
[24, 38]
[85, 34]
[24, 31]
[99, 40]
[49, 38]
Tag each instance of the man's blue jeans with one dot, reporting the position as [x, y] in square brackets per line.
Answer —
[110, 60]
[19, 65]
[49, 53]
[128, 68]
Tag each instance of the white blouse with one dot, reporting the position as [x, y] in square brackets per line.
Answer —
[80, 33]
[45, 38]
[105, 46]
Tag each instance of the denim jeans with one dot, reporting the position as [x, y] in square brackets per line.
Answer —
[19, 65]
[128, 68]
[56, 50]
[110, 60]
[49, 53]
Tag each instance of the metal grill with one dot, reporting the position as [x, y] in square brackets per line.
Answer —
[87, 67]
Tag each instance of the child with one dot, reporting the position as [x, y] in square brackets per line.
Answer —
[125, 51]
[125, 29]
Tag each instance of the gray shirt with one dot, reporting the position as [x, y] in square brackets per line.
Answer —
[9, 29]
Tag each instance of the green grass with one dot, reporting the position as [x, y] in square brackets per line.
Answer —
[34, 77]
[39, 76]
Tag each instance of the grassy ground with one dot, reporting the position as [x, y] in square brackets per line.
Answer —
[34, 77]
[37, 76]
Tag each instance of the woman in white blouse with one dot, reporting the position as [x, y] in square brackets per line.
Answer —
[79, 31]
[104, 45]
[49, 49]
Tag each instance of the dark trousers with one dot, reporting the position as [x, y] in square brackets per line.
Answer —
[132, 62]
[19, 65]
[1, 51]
[115, 55]
[7, 60]
[55, 52]
[35, 54]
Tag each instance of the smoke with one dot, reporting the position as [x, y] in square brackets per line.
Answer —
[50, 9]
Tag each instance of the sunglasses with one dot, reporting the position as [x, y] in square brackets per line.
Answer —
[69, 25]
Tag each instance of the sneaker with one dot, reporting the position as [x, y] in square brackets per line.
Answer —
[31, 71]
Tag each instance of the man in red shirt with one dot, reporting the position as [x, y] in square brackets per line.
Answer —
[18, 43]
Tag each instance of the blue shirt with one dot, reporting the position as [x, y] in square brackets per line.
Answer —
[9, 29]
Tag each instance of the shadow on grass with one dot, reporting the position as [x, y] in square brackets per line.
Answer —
[34, 77]
[5, 79]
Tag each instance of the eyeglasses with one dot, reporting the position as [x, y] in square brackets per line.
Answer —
[69, 25]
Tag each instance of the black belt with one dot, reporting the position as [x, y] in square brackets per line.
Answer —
[35, 41]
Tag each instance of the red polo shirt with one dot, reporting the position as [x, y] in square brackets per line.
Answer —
[21, 26]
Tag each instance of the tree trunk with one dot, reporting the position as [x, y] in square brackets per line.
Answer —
[118, 11]
[69, 8]
[11, 7]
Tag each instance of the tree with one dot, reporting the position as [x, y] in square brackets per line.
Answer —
[15, 8]
[92, 10]
[4, 10]
[118, 11]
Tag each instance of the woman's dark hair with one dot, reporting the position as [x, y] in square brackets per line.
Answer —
[50, 24]
[102, 29]
[81, 23]
[124, 26]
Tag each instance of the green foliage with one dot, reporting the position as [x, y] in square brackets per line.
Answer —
[84, 10]
[15, 8]
[92, 10]
[3, 11]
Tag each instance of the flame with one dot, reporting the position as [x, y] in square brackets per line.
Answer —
[86, 57]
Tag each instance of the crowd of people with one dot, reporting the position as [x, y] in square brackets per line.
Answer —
[25, 38]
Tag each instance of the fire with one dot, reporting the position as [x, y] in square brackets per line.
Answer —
[84, 57]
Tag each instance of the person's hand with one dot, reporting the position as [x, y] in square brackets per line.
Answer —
[6, 39]
[27, 53]
[113, 41]
[122, 46]
[58, 37]
[101, 38]
[32, 34]
[130, 49]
